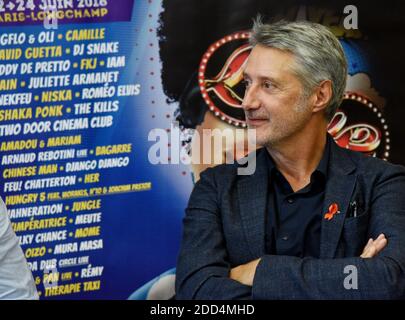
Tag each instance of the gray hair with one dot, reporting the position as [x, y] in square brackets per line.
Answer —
[318, 54]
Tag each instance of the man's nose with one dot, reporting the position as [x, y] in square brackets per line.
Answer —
[251, 99]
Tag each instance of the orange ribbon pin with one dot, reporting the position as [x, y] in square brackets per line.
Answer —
[332, 210]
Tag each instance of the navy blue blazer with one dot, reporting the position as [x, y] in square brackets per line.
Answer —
[224, 227]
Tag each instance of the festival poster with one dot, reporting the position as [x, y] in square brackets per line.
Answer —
[78, 99]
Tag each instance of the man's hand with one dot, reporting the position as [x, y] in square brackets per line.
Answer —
[245, 272]
[373, 247]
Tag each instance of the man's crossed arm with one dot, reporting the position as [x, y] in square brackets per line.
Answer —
[245, 273]
[204, 270]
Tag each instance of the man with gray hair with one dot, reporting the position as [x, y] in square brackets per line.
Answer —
[314, 221]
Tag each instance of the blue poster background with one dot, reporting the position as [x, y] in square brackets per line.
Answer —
[140, 230]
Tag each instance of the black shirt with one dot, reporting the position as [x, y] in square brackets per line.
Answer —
[293, 225]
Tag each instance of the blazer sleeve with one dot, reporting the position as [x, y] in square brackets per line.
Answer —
[202, 267]
[16, 281]
[381, 277]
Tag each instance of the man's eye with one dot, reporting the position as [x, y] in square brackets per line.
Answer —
[267, 85]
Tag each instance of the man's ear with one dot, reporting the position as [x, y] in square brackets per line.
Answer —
[322, 95]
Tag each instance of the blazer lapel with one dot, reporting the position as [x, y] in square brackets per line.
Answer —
[339, 188]
[253, 192]
[252, 195]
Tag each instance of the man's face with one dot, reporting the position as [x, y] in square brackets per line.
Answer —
[274, 103]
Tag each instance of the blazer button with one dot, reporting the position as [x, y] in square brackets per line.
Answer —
[290, 200]
[285, 238]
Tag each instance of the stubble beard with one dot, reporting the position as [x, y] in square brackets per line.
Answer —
[279, 131]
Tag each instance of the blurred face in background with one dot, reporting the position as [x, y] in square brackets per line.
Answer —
[236, 148]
